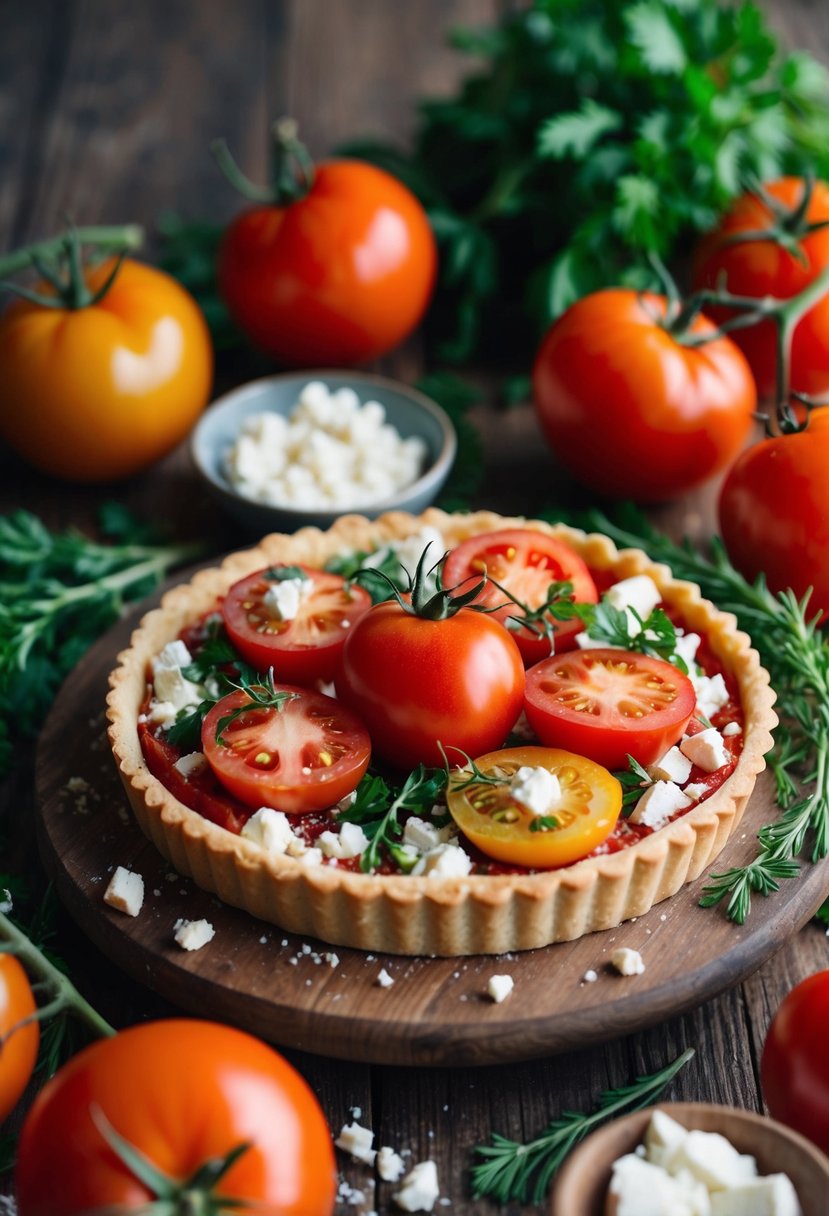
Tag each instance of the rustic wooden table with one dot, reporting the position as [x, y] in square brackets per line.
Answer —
[106, 112]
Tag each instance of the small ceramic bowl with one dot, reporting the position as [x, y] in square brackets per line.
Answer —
[408, 410]
[582, 1184]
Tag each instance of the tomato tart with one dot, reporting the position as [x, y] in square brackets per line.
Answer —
[540, 839]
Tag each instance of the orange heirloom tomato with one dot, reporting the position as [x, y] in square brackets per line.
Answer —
[505, 829]
[182, 1093]
[18, 1051]
[99, 392]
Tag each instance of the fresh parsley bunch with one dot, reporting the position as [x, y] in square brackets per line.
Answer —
[594, 132]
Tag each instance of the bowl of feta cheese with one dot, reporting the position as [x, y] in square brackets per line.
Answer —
[299, 449]
[693, 1159]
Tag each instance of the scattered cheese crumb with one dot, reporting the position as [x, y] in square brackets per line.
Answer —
[590, 976]
[659, 803]
[419, 1190]
[193, 934]
[125, 891]
[499, 987]
[732, 728]
[627, 961]
[357, 1140]
[390, 1165]
[384, 980]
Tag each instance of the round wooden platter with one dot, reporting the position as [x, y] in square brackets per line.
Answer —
[306, 995]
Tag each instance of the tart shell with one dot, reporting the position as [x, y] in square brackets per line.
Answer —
[430, 915]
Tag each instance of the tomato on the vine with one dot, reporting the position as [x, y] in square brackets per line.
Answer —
[794, 1070]
[98, 392]
[183, 1093]
[420, 684]
[774, 512]
[337, 270]
[301, 646]
[303, 754]
[18, 1047]
[503, 827]
[628, 408]
[607, 704]
[524, 562]
[766, 246]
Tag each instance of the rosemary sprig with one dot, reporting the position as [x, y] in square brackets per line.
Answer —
[796, 655]
[377, 807]
[511, 1171]
[58, 592]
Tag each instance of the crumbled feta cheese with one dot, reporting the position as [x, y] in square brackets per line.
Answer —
[730, 729]
[384, 980]
[270, 829]
[350, 841]
[282, 599]
[642, 1189]
[410, 550]
[446, 861]
[390, 1165]
[536, 788]
[707, 749]
[673, 766]
[193, 934]
[192, 763]
[357, 1140]
[639, 593]
[590, 976]
[125, 891]
[686, 647]
[330, 452]
[712, 1159]
[424, 835]
[310, 857]
[499, 987]
[695, 790]
[663, 1137]
[712, 693]
[658, 803]
[627, 961]
[174, 655]
[772, 1195]
[419, 1190]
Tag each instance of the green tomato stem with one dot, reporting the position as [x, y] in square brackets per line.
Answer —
[63, 995]
[120, 237]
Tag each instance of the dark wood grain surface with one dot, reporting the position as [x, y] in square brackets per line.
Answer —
[106, 112]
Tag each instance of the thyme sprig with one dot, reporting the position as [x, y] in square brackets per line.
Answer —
[377, 808]
[796, 655]
[511, 1171]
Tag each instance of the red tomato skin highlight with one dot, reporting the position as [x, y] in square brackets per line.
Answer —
[774, 512]
[18, 1053]
[794, 1070]
[337, 277]
[415, 683]
[631, 412]
[181, 1091]
[760, 268]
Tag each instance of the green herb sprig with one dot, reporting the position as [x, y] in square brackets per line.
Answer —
[626, 630]
[796, 654]
[511, 1171]
[377, 807]
[58, 592]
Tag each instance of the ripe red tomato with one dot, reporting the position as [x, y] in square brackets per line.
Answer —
[305, 648]
[794, 1070]
[774, 512]
[628, 409]
[418, 683]
[608, 704]
[304, 756]
[183, 1093]
[525, 562]
[18, 1052]
[763, 267]
[335, 278]
[97, 393]
[503, 828]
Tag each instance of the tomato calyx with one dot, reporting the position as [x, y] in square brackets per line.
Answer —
[427, 598]
[292, 169]
[193, 1196]
[60, 264]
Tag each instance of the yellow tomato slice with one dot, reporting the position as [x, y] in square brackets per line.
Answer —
[506, 830]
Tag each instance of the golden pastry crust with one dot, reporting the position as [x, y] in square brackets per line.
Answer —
[431, 915]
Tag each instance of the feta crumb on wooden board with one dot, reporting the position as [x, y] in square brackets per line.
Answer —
[677, 1172]
[390, 1165]
[193, 934]
[499, 987]
[331, 451]
[357, 1141]
[627, 961]
[125, 891]
[419, 1190]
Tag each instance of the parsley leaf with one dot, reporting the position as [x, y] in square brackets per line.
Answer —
[378, 805]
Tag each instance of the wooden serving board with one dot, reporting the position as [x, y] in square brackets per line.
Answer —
[283, 987]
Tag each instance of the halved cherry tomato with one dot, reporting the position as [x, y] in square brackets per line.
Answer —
[505, 829]
[304, 756]
[18, 1051]
[608, 704]
[306, 647]
[525, 562]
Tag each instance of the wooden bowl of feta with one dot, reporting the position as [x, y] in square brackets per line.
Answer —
[693, 1158]
[301, 449]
